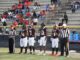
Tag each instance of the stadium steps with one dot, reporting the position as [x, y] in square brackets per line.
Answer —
[43, 1]
[6, 4]
[73, 0]
[74, 18]
[74, 22]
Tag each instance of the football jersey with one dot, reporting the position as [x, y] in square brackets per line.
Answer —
[31, 32]
[42, 31]
[23, 33]
[55, 33]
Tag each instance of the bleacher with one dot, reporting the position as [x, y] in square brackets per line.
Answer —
[6, 4]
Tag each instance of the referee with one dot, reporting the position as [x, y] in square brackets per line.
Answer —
[64, 35]
[12, 34]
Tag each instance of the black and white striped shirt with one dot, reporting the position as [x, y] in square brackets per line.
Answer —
[64, 33]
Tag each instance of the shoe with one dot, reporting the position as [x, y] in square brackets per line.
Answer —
[55, 55]
[30, 52]
[33, 53]
[61, 55]
[51, 54]
[20, 53]
[25, 52]
[67, 56]
[44, 54]
[40, 53]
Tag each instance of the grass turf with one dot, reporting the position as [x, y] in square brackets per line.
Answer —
[4, 55]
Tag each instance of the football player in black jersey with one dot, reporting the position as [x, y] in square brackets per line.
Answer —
[55, 39]
[31, 36]
[42, 41]
[23, 39]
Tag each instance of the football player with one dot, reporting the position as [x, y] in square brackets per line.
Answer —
[42, 41]
[31, 36]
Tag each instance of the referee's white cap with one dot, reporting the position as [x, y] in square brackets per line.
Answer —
[64, 25]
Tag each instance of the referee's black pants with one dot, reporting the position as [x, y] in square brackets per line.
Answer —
[63, 43]
[11, 45]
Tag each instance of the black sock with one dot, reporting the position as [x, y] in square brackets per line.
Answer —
[53, 50]
[40, 48]
[67, 52]
[21, 49]
[56, 50]
[25, 49]
[33, 49]
[44, 48]
[30, 49]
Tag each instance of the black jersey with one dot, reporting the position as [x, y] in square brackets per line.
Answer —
[43, 31]
[31, 32]
[23, 33]
[55, 33]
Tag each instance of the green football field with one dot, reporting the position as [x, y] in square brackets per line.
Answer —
[4, 55]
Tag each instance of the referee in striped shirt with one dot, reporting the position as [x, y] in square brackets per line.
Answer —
[64, 35]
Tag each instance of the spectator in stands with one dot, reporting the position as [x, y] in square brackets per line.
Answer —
[24, 10]
[3, 20]
[31, 0]
[21, 21]
[27, 9]
[22, 1]
[52, 7]
[26, 22]
[0, 16]
[5, 14]
[34, 15]
[13, 9]
[65, 18]
[54, 2]
[19, 6]
[0, 21]
[19, 11]
[43, 14]
[19, 0]
[7, 30]
[75, 6]
[20, 18]
[34, 18]
[27, 3]
[36, 4]
[28, 14]
[10, 14]
[1, 31]
[15, 23]
[47, 7]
